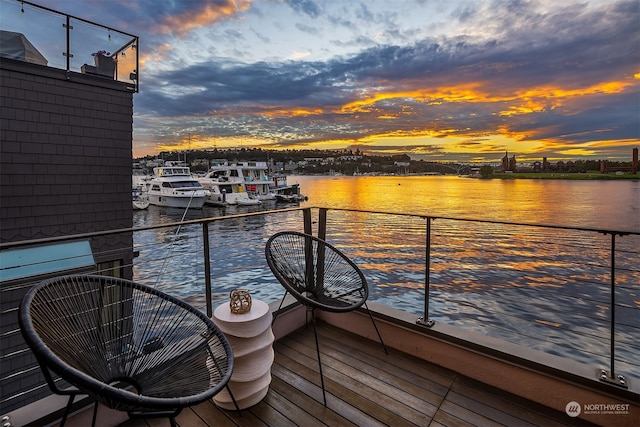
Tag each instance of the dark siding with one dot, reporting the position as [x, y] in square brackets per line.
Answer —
[65, 168]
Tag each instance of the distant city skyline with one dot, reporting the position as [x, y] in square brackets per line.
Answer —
[457, 80]
[346, 152]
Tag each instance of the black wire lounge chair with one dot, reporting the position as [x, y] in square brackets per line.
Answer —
[319, 276]
[128, 346]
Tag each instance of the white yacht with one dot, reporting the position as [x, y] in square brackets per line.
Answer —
[228, 186]
[173, 186]
[257, 180]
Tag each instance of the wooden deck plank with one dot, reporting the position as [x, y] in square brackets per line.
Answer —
[246, 419]
[410, 367]
[188, 417]
[313, 407]
[243, 419]
[357, 391]
[506, 408]
[365, 387]
[209, 413]
[406, 400]
[295, 413]
[304, 378]
[480, 408]
[265, 413]
[389, 369]
[460, 410]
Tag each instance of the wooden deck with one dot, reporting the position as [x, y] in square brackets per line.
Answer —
[365, 387]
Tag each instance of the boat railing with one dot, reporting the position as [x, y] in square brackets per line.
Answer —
[567, 291]
[66, 42]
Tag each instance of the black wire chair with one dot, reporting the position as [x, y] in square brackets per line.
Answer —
[128, 346]
[319, 276]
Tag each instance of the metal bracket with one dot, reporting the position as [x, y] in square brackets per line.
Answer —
[428, 323]
[613, 379]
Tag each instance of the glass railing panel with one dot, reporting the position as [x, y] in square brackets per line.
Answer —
[65, 42]
[95, 48]
[43, 30]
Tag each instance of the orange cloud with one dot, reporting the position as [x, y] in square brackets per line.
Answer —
[296, 112]
[541, 98]
[159, 53]
[525, 102]
[465, 92]
[210, 13]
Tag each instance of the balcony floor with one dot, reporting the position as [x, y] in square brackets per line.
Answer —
[364, 386]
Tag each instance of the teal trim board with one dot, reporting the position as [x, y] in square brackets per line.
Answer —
[44, 259]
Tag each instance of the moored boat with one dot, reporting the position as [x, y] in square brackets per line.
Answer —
[247, 200]
[224, 188]
[284, 192]
[139, 197]
[244, 183]
[173, 186]
[256, 178]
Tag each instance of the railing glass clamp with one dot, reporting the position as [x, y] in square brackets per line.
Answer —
[613, 379]
[428, 323]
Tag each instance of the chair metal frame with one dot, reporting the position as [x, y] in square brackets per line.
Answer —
[319, 276]
[127, 345]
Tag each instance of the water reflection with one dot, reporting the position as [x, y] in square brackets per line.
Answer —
[544, 288]
[596, 204]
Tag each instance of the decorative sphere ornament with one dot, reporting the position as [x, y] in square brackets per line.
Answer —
[240, 301]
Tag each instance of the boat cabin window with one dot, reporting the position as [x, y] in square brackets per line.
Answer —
[172, 171]
[182, 184]
[155, 187]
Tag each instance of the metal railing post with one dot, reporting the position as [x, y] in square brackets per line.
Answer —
[207, 268]
[67, 53]
[425, 320]
[611, 377]
[306, 218]
[322, 223]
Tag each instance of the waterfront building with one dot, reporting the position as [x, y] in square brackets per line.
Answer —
[65, 169]
[508, 163]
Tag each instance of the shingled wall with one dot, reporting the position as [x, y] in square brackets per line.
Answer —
[65, 168]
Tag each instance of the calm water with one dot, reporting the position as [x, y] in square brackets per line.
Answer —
[609, 204]
[543, 288]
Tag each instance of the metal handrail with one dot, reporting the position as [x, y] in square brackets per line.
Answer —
[323, 226]
[609, 376]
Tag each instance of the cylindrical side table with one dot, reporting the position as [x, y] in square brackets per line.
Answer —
[251, 340]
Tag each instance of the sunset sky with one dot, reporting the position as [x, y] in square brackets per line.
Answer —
[442, 80]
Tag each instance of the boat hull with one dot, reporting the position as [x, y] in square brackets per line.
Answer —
[183, 202]
[248, 202]
[140, 204]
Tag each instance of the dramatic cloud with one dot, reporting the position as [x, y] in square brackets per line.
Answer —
[461, 80]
